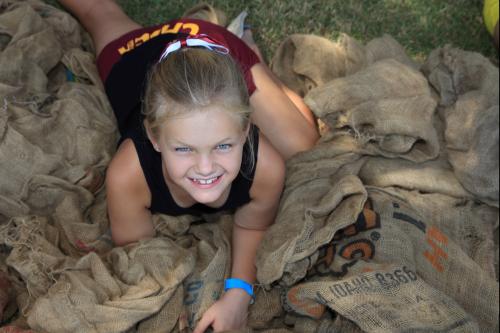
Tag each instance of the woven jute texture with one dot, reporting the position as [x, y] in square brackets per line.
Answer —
[387, 225]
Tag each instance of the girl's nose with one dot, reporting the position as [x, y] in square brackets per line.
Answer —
[205, 166]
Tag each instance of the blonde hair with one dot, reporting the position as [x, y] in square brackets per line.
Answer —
[193, 79]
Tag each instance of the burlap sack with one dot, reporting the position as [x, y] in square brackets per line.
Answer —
[327, 325]
[206, 12]
[80, 216]
[454, 72]
[213, 264]
[429, 177]
[20, 75]
[35, 257]
[21, 160]
[32, 35]
[134, 285]
[387, 105]
[82, 66]
[393, 81]
[50, 271]
[326, 209]
[36, 115]
[304, 62]
[344, 276]
[4, 293]
[78, 109]
[315, 263]
[468, 223]
[175, 310]
[475, 162]
[14, 329]
[45, 171]
[468, 84]
[248, 330]
[167, 319]
[23, 64]
[386, 277]
[69, 32]
[335, 156]
[266, 309]
[386, 47]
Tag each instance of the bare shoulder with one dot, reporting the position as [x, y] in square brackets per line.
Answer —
[128, 197]
[124, 170]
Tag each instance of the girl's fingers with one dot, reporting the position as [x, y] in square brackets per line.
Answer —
[204, 323]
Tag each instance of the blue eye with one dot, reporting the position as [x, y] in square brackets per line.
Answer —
[224, 147]
[183, 150]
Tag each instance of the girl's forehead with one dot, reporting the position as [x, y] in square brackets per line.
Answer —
[206, 126]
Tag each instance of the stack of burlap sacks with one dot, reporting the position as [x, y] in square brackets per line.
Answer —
[419, 144]
[413, 147]
[57, 135]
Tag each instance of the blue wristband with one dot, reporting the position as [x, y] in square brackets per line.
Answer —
[239, 284]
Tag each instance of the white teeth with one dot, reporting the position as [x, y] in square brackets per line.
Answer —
[206, 181]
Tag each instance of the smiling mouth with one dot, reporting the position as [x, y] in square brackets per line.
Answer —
[206, 182]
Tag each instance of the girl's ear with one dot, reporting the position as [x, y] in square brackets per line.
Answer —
[151, 137]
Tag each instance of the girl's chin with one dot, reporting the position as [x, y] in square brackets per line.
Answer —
[206, 198]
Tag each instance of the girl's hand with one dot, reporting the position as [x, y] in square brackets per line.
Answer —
[229, 313]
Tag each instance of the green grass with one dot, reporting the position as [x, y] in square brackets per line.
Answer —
[419, 25]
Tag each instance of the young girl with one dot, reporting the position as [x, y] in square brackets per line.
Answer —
[196, 147]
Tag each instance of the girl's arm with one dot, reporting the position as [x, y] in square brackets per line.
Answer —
[281, 115]
[128, 197]
[251, 223]
[253, 219]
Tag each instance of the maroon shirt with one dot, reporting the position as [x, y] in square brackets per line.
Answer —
[129, 42]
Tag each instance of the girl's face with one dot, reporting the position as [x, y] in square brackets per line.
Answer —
[202, 152]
